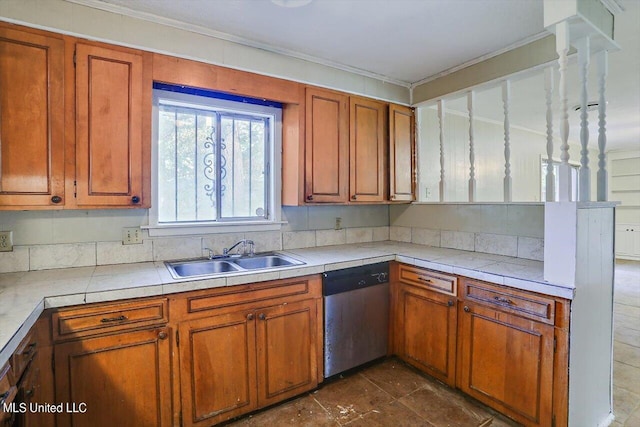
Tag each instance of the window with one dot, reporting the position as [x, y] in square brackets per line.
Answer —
[543, 181]
[216, 159]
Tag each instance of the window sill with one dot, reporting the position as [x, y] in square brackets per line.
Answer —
[227, 227]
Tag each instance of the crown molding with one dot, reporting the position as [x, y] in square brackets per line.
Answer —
[198, 29]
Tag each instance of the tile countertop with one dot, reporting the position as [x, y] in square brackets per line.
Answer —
[23, 296]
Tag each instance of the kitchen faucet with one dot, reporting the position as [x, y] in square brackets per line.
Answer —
[244, 243]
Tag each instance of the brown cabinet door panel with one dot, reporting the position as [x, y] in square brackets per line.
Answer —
[109, 91]
[286, 340]
[123, 379]
[367, 150]
[326, 146]
[428, 338]
[217, 368]
[31, 119]
[401, 154]
[507, 362]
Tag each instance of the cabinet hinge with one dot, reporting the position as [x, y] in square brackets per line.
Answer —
[74, 58]
[555, 344]
[53, 364]
[177, 337]
[180, 418]
[75, 189]
[553, 421]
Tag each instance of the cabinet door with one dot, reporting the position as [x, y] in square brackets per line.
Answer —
[31, 120]
[124, 380]
[286, 340]
[428, 331]
[507, 362]
[109, 108]
[367, 145]
[217, 368]
[401, 154]
[326, 146]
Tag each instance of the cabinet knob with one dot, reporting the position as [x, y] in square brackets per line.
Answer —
[56, 199]
[354, 197]
[135, 199]
[310, 197]
[393, 197]
[250, 316]
[162, 335]
[450, 303]
[466, 309]
[29, 393]
[262, 316]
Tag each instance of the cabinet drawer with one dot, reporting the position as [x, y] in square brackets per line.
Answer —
[81, 322]
[24, 354]
[297, 288]
[438, 282]
[521, 303]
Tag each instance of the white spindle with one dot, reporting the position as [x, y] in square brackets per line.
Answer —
[441, 120]
[585, 173]
[602, 61]
[472, 158]
[550, 177]
[506, 100]
[564, 170]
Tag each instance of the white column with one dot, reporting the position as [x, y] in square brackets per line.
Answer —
[550, 177]
[564, 170]
[472, 158]
[585, 173]
[602, 59]
[506, 100]
[441, 120]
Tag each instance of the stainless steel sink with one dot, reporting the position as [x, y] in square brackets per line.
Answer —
[212, 267]
[265, 261]
[207, 267]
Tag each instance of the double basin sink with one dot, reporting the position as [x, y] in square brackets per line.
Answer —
[229, 264]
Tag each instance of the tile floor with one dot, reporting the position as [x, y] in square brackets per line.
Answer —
[392, 393]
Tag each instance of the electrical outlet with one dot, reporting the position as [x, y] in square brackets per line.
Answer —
[6, 241]
[131, 236]
[338, 223]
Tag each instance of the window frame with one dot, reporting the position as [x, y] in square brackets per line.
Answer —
[273, 153]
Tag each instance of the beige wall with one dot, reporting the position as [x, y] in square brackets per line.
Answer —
[76, 19]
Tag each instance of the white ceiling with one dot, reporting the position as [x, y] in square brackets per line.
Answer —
[406, 41]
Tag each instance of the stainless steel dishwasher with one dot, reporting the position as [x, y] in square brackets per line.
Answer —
[356, 316]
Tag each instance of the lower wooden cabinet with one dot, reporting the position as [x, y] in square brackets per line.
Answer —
[427, 333]
[116, 380]
[506, 362]
[233, 363]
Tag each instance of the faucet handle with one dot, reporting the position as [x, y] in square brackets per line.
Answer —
[252, 247]
[211, 253]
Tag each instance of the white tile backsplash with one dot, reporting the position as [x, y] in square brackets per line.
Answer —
[496, 244]
[359, 235]
[17, 260]
[400, 234]
[266, 241]
[380, 233]
[425, 236]
[117, 253]
[298, 239]
[331, 237]
[177, 248]
[44, 257]
[531, 248]
[457, 240]
[219, 242]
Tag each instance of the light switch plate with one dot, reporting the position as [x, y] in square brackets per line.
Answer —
[6, 241]
[131, 236]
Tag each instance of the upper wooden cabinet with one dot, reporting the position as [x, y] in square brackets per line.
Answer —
[75, 122]
[109, 121]
[356, 150]
[401, 154]
[31, 119]
[326, 146]
[367, 147]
